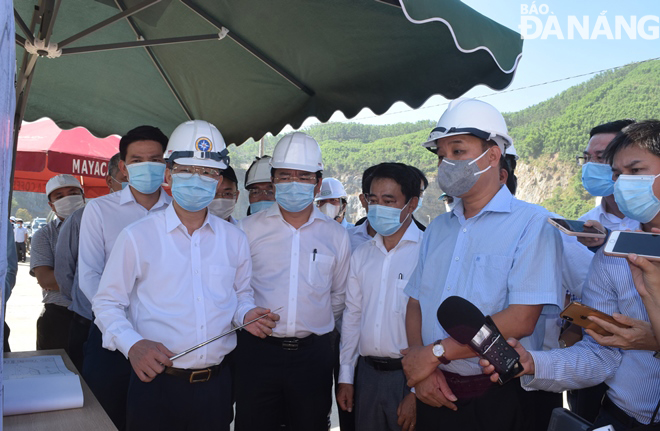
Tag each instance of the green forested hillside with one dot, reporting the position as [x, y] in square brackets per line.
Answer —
[559, 125]
[562, 123]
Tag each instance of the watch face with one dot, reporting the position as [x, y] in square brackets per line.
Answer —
[438, 350]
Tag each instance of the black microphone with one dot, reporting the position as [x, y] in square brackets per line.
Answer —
[467, 325]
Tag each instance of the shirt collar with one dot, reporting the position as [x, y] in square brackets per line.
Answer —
[274, 210]
[172, 220]
[411, 234]
[127, 197]
[500, 203]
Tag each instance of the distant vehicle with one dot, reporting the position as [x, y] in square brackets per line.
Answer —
[37, 224]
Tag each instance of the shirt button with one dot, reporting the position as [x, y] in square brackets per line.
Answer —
[464, 230]
[197, 271]
[457, 258]
[199, 299]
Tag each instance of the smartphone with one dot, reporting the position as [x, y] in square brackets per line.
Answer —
[576, 228]
[577, 313]
[644, 244]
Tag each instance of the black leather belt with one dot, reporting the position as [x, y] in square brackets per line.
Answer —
[618, 414]
[195, 376]
[466, 387]
[383, 364]
[291, 343]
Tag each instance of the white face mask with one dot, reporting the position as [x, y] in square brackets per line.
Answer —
[67, 205]
[330, 210]
[222, 207]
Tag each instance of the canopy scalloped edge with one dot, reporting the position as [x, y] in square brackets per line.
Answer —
[460, 48]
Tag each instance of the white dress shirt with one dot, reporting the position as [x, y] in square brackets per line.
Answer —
[165, 285]
[609, 220]
[302, 270]
[20, 234]
[104, 218]
[374, 322]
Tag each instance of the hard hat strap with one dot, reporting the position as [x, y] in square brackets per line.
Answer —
[471, 130]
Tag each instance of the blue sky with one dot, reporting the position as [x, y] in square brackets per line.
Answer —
[546, 59]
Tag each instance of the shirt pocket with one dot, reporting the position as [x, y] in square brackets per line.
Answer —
[320, 270]
[490, 275]
[401, 299]
[221, 282]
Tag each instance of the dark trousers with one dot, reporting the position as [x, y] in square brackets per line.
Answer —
[107, 374]
[53, 327]
[500, 408]
[173, 403]
[377, 397]
[271, 380]
[346, 419]
[586, 402]
[6, 339]
[78, 333]
[538, 407]
[20, 251]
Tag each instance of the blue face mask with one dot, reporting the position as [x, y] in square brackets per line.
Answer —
[294, 197]
[385, 220]
[260, 206]
[597, 179]
[419, 204]
[635, 198]
[193, 193]
[146, 177]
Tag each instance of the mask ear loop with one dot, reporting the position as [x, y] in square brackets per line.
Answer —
[475, 161]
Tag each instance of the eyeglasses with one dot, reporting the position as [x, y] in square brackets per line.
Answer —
[188, 171]
[305, 178]
[256, 192]
[228, 195]
[588, 158]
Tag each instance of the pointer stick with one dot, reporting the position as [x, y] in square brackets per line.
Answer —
[185, 352]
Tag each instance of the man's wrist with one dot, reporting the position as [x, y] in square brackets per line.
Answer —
[438, 350]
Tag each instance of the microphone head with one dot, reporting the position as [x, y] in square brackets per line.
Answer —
[460, 318]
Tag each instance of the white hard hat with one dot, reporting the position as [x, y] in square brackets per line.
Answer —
[61, 181]
[197, 143]
[297, 151]
[511, 151]
[331, 188]
[471, 117]
[258, 172]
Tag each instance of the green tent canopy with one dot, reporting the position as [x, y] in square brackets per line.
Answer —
[248, 66]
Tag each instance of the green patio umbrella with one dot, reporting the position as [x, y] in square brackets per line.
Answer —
[248, 66]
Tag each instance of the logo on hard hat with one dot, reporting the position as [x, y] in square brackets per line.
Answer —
[325, 192]
[203, 144]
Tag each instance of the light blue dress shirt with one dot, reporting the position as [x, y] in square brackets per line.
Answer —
[66, 265]
[507, 254]
[633, 376]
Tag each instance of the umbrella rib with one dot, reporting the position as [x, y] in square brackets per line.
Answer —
[124, 14]
[139, 44]
[24, 28]
[51, 15]
[252, 50]
[120, 4]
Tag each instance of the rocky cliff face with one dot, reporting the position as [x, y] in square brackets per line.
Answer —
[538, 180]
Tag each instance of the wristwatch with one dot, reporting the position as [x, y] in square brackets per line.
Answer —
[439, 352]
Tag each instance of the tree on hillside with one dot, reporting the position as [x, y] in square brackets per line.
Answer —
[23, 214]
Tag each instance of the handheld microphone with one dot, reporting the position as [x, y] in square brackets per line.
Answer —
[467, 325]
